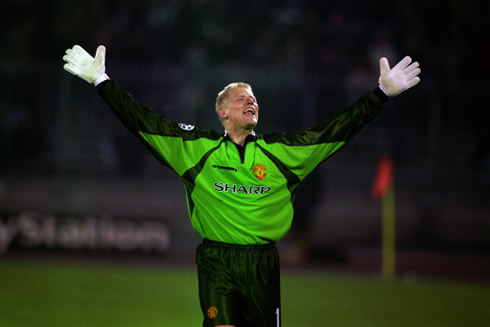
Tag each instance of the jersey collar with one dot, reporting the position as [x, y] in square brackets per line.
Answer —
[250, 137]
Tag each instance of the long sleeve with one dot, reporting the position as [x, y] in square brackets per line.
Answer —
[301, 152]
[170, 142]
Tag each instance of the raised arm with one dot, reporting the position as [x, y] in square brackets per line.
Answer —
[306, 149]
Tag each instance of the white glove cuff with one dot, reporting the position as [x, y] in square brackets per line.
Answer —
[100, 79]
[382, 89]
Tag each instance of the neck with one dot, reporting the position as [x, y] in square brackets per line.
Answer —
[239, 136]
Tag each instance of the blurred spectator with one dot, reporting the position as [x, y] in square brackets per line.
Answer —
[312, 49]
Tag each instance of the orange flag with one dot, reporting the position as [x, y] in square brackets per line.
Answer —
[384, 177]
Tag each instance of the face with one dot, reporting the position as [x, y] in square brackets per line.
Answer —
[241, 109]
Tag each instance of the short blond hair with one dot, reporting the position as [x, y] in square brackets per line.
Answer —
[223, 94]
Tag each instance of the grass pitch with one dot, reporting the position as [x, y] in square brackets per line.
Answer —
[93, 295]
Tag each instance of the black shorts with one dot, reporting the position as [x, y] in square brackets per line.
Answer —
[239, 284]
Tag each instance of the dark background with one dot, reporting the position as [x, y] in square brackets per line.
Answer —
[61, 149]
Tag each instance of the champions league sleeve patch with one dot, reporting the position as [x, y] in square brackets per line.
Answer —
[186, 127]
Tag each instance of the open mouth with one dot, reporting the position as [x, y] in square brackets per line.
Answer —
[249, 112]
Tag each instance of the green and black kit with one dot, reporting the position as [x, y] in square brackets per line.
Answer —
[239, 195]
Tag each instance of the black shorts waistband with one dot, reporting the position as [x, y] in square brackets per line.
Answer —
[270, 245]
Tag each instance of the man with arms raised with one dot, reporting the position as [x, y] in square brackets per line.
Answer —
[240, 186]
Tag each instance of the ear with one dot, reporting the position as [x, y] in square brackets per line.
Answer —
[222, 113]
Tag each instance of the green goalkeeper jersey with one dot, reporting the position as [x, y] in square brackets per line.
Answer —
[239, 195]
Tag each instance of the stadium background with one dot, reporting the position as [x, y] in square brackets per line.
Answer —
[76, 186]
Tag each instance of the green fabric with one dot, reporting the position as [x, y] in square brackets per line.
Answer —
[232, 199]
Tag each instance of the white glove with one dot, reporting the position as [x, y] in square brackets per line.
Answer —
[399, 78]
[83, 65]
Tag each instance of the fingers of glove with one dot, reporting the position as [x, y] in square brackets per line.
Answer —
[411, 83]
[412, 67]
[69, 52]
[384, 66]
[68, 58]
[70, 68]
[100, 54]
[415, 72]
[403, 63]
[73, 56]
[69, 55]
[80, 52]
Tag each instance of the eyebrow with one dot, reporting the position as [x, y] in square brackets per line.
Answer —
[244, 96]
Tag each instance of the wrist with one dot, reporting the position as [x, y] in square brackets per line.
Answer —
[380, 86]
[380, 93]
[103, 77]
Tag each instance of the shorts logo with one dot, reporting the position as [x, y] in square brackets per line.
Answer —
[259, 171]
[186, 127]
[212, 312]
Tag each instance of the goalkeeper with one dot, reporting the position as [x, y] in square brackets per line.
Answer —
[240, 185]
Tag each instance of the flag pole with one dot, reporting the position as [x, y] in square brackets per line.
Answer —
[388, 234]
[384, 189]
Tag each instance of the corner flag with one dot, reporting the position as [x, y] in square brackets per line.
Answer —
[384, 177]
[383, 189]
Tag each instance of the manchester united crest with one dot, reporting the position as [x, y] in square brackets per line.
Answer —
[212, 312]
[259, 171]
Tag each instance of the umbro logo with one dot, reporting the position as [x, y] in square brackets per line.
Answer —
[224, 168]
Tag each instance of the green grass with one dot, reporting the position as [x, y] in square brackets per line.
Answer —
[78, 295]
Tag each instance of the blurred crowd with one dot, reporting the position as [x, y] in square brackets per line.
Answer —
[308, 58]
